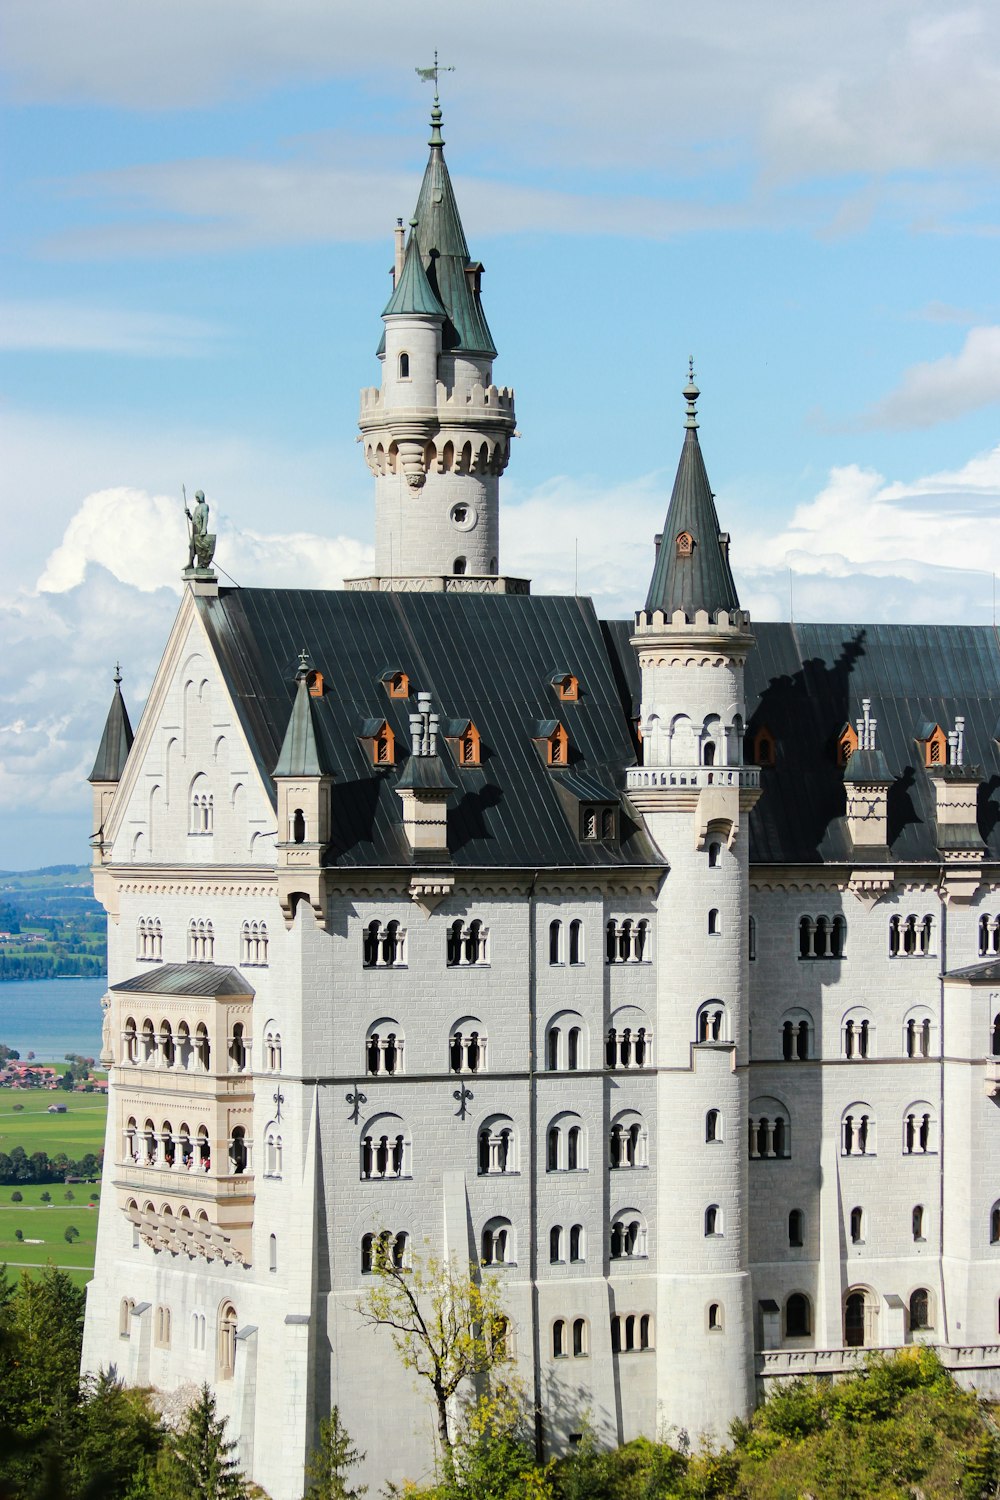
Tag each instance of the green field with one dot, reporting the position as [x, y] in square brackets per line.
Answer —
[79, 1131]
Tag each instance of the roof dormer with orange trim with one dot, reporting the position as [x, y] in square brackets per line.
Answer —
[396, 682]
[567, 687]
[765, 747]
[381, 741]
[465, 741]
[553, 735]
[847, 743]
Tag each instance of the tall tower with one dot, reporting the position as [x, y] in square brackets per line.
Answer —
[692, 640]
[437, 430]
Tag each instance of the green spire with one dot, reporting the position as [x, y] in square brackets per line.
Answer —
[116, 741]
[300, 752]
[692, 569]
[413, 292]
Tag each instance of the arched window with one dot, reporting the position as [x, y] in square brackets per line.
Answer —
[239, 1153]
[385, 1148]
[253, 942]
[130, 1041]
[752, 939]
[404, 366]
[713, 1221]
[565, 1144]
[995, 1224]
[714, 855]
[714, 923]
[227, 1341]
[713, 1126]
[272, 1252]
[920, 1310]
[857, 1131]
[919, 1129]
[798, 1316]
[797, 1035]
[627, 1145]
[565, 1043]
[467, 945]
[272, 1048]
[459, 566]
[770, 1132]
[858, 1035]
[577, 1243]
[918, 1032]
[383, 946]
[125, 1311]
[911, 936]
[857, 1226]
[989, 936]
[822, 937]
[497, 1146]
[497, 1244]
[467, 1046]
[917, 1221]
[796, 1221]
[556, 1244]
[202, 806]
[628, 1235]
[272, 1150]
[298, 826]
[711, 1023]
[576, 941]
[628, 941]
[859, 1318]
[384, 1048]
[580, 1340]
[555, 942]
[237, 1049]
[559, 1350]
[714, 1317]
[629, 1040]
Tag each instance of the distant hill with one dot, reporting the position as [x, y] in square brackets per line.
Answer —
[50, 924]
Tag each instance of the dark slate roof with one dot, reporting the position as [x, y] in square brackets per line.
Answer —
[300, 754]
[187, 979]
[804, 681]
[704, 579]
[986, 973]
[485, 658]
[413, 292]
[867, 766]
[116, 741]
[425, 773]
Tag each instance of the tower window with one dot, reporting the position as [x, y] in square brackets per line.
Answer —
[398, 685]
[685, 544]
[459, 566]
[404, 366]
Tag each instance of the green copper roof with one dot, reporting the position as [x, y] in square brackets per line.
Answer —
[413, 293]
[300, 755]
[695, 574]
[116, 741]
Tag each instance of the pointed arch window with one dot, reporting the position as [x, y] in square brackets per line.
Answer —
[765, 748]
[847, 743]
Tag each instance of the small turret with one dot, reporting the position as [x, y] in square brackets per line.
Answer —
[116, 742]
[303, 781]
[867, 781]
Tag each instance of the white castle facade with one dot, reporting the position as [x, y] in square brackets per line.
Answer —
[653, 964]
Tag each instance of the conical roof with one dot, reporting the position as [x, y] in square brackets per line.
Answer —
[300, 753]
[413, 293]
[116, 741]
[692, 570]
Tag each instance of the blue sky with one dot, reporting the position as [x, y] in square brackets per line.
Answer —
[199, 204]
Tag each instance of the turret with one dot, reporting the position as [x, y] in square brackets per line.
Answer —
[303, 781]
[116, 742]
[437, 430]
[694, 790]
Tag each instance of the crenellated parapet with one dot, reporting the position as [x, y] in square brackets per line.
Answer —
[464, 433]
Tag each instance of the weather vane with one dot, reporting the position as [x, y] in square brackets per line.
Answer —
[427, 75]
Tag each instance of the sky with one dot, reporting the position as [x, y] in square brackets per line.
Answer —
[199, 201]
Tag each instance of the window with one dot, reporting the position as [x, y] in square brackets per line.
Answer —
[576, 941]
[253, 943]
[911, 937]
[920, 1310]
[995, 1224]
[459, 566]
[383, 947]
[628, 1235]
[384, 1248]
[577, 1244]
[752, 939]
[198, 1327]
[556, 1244]
[822, 937]
[298, 828]
[238, 1049]
[567, 687]
[713, 1126]
[629, 1041]
[469, 746]
[770, 1133]
[713, 1221]
[384, 1048]
[714, 855]
[995, 1040]
[559, 1339]
[130, 1042]
[714, 1317]
[917, 1222]
[497, 1245]
[684, 544]
[711, 1024]
[627, 1143]
[385, 1149]
[989, 936]
[935, 747]
[564, 1043]
[795, 1228]
[764, 748]
[467, 946]
[557, 746]
[202, 806]
[555, 943]
[201, 941]
[404, 366]
[859, 1319]
[714, 923]
[227, 1341]
[918, 1033]
[631, 1332]
[857, 1226]
[149, 940]
[272, 1252]
[847, 743]
[580, 1340]
[125, 1310]
[272, 1048]
[796, 1036]
[272, 1150]
[397, 684]
[857, 1131]
[383, 746]
[467, 1046]
[798, 1316]
[565, 1144]
[628, 941]
[919, 1130]
[858, 1035]
[497, 1147]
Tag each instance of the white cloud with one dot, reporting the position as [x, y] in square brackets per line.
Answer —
[68, 328]
[938, 390]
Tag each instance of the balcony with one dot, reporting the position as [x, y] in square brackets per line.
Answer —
[655, 778]
[194, 1082]
[179, 1182]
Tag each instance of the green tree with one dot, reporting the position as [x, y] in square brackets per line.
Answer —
[71, 1233]
[16, 1197]
[19, 1235]
[331, 1461]
[46, 1196]
[198, 1463]
[446, 1326]
[117, 1438]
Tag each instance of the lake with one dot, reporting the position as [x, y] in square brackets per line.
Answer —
[51, 1017]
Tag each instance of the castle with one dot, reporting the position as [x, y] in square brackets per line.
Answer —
[654, 964]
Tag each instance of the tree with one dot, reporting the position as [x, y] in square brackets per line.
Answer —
[19, 1235]
[71, 1233]
[331, 1459]
[198, 1463]
[445, 1325]
[16, 1197]
[46, 1196]
[116, 1441]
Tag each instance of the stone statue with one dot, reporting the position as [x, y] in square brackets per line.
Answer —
[107, 1051]
[201, 542]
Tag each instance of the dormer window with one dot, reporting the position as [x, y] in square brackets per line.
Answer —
[847, 743]
[935, 743]
[314, 682]
[597, 823]
[684, 544]
[468, 747]
[555, 739]
[567, 687]
[404, 366]
[397, 684]
[764, 748]
[381, 741]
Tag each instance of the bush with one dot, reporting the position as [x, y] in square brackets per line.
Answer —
[69, 1195]
[71, 1233]
[95, 1197]
[19, 1235]
[17, 1197]
[46, 1196]
[18, 1108]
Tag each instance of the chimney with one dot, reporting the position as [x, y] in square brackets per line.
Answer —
[397, 269]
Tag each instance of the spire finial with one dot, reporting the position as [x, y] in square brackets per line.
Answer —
[428, 75]
[305, 663]
[118, 674]
[691, 394]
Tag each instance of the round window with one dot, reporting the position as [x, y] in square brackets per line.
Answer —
[463, 516]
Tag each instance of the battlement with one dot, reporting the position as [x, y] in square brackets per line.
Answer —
[737, 620]
[453, 406]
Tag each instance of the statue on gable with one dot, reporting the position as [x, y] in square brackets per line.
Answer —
[201, 541]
